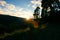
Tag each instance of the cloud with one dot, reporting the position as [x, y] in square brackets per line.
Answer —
[10, 9]
[1, 11]
[28, 5]
[36, 3]
[24, 14]
[3, 3]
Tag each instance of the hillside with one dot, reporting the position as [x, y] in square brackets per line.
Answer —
[10, 23]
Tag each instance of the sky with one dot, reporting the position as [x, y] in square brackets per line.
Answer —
[19, 8]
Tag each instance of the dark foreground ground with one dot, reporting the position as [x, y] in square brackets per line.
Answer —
[49, 33]
[46, 34]
[16, 32]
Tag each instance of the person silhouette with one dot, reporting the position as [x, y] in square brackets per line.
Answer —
[36, 13]
[37, 10]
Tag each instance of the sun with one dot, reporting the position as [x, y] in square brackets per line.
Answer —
[27, 17]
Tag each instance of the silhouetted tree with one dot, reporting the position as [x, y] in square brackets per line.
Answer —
[53, 26]
[50, 8]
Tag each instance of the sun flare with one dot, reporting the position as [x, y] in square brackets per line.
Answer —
[27, 17]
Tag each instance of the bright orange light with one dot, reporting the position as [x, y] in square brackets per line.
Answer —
[27, 17]
[35, 24]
